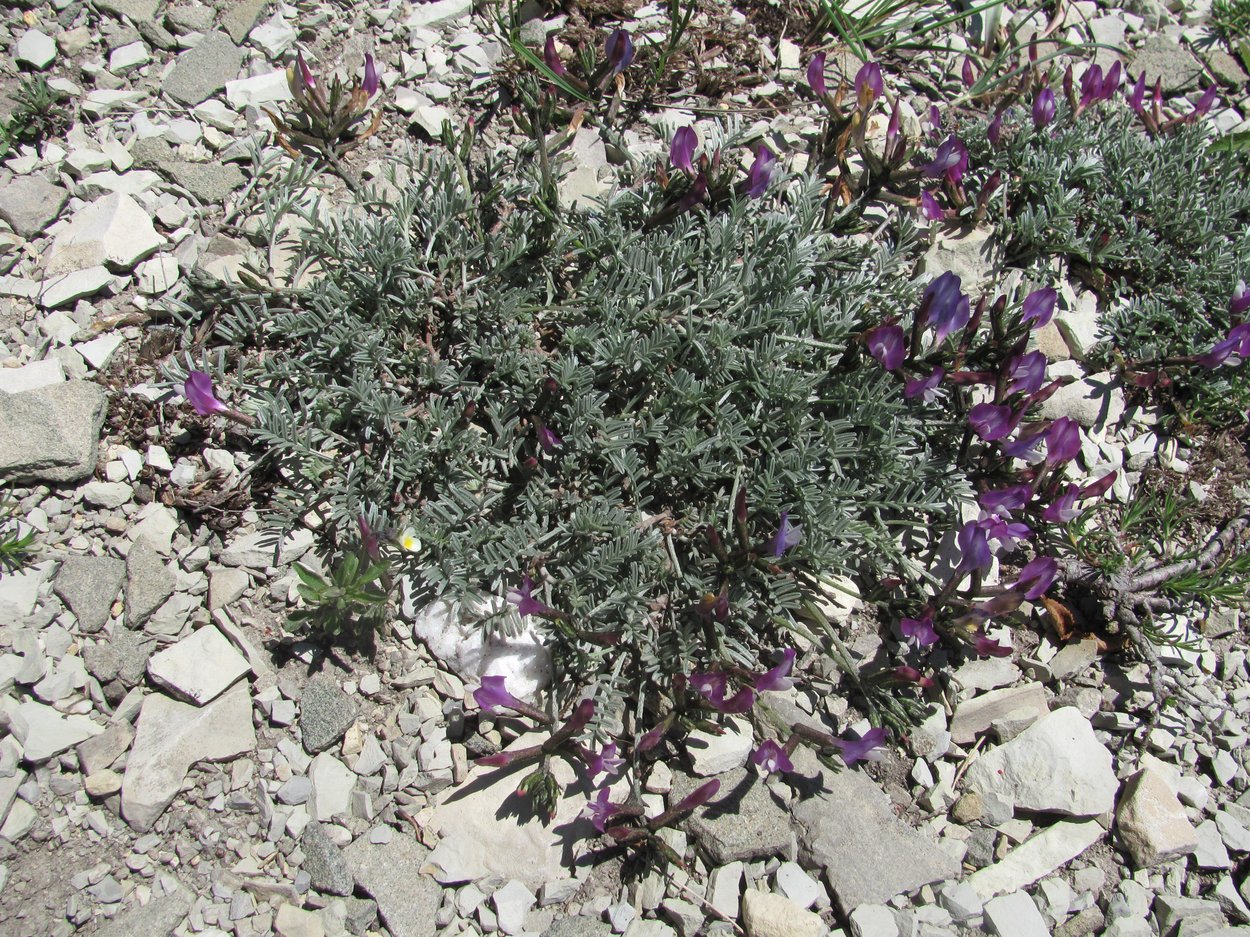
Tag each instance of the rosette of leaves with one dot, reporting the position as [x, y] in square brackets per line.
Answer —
[328, 120]
[582, 399]
[345, 605]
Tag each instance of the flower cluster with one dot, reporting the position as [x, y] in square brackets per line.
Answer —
[330, 118]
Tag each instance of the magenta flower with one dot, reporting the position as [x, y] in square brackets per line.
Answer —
[548, 440]
[772, 758]
[1063, 441]
[967, 73]
[1039, 307]
[368, 539]
[887, 344]
[988, 647]
[947, 308]
[370, 83]
[600, 811]
[994, 132]
[816, 75]
[779, 677]
[1027, 372]
[905, 674]
[924, 387]
[929, 206]
[492, 696]
[1205, 103]
[712, 687]
[761, 171]
[919, 632]
[864, 748]
[524, 600]
[1036, 577]
[1043, 108]
[305, 73]
[1063, 508]
[949, 162]
[993, 421]
[552, 58]
[198, 389]
[1096, 489]
[681, 152]
[620, 50]
[868, 84]
[606, 761]
[891, 129]
[974, 547]
[1005, 501]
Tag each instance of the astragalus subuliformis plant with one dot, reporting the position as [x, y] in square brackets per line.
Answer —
[611, 421]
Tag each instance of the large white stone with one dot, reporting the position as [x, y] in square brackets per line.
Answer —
[712, 753]
[332, 785]
[65, 288]
[1015, 915]
[43, 732]
[112, 231]
[1151, 821]
[430, 14]
[269, 88]
[36, 374]
[172, 736]
[1056, 765]
[36, 49]
[1036, 858]
[198, 668]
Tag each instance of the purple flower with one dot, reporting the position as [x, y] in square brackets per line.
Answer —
[1205, 103]
[1111, 83]
[924, 387]
[370, 83]
[919, 631]
[891, 129]
[993, 421]
[966, 72]
[620, 50]
[1231, 349]
[787, 536]
[368, 539]
[1004, 501]
[1091, 86]
[1063, 441]
[1239, 302]
[761, 171]
[1036, 577]
[1027, 372]
[695, 194]
[713, 685]
[1063, 508]
[929, 206]
[1026, 447]
[994, 132]
[552, 58]
[305, 73]
[816, 74]
[1043, 108]
[681, 153]
[863, 748]
[1039, 307]
[947, 307]
[779, 677]
[1219, 354]
[600, 811]
[491, 696]
[1004, 532]
[950, 161]
[988, 647]
[607, 762]
[772, 758]
[974, 547]
[524, 600]
[868, 84]
[548, 440]
[886, 343]
[1136, 96]
[198, 389]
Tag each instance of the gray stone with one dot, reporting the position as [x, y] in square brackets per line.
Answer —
[1151, 821]
[768, 915]
[66, 288]
[972, 254]
[326, 713]
[99, 752]
[1097, 401]
[578, 927]
[332, 786]
[1015, 915]
[961, 901]
[44, 733]
[112, 231]
[199, 668]
[241, 17]
[149, 582]
[977, 714]
[107, 495]
[1162, 57]
[51, 433]
[201, 72]
[88, 585]
[209, 183]
[1210, 852]
[158, 918]
[35, 49]
[1056, 765]
[1036, 858]
[30, 203]
[362, 914]
[408, 899]
[323, 861]
[1178, 915]
[713, 753]
[850, 830]
[173, 736]
[512, 903]
[440, 11]
[134, 10]
[225, 586]
[743, 821]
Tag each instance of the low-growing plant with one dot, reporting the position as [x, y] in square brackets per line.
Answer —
[36, 113]
[15, 545]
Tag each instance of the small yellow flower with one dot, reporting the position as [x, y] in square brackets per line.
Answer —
[408, 541]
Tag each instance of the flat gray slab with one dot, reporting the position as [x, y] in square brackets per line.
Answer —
[407, 900]
[51, 433]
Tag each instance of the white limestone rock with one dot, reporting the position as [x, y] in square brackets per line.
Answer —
[198, 668]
